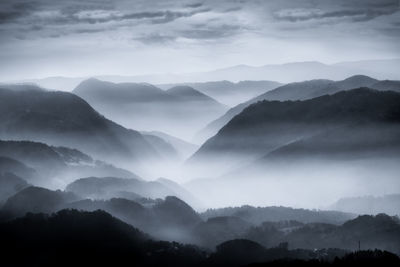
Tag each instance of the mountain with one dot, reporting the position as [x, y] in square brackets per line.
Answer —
[219, 229]
[292, 91]
[284, 73]
[182, 192]
[188, 93]
[9, 185]
[9, 165]
[368, 232]
[381, 231]
[51, 166]
[111, 187]
[179, 111]
[94, 90]
[387, 85]
[64, 119]
[37, 199]
[269, 125]
[228, 92]
[87, 238]
[259, 215]
[82, 238]
[184, 148]
[389, 204]
[298, 153]
[163, 148]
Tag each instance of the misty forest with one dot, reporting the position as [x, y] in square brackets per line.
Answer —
[200, 133]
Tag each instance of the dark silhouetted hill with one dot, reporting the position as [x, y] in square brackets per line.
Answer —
[64, 119]
[269, 125]
[37, 199]
[300, 91]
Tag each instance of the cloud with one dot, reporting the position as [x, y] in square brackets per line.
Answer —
[356, 15]
[214, 32]
[155, 38]
[194, 5]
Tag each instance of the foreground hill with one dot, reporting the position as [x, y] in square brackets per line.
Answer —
[179, 111]
[87, 238]
[64, 119]
[301, 91]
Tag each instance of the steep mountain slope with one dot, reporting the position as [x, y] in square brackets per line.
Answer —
[180, 111]
[184, 148]
[9, 165]
[292, 91]
[163, 148]
[59, 118]
[297, 152]
[268, 125]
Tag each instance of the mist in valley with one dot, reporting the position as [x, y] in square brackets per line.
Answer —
[184, 133]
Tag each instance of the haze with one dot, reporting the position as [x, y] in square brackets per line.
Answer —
[45, 38]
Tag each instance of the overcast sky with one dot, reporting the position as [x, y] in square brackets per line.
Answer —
[40, 38]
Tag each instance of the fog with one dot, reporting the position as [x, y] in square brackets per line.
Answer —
[312, 184]
[205, 133]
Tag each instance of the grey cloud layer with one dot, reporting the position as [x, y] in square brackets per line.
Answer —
[111, 36]
[74, 17]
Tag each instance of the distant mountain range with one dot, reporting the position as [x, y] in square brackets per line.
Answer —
[228, 92]
[300, 91]
[180, 110]
[283, 73]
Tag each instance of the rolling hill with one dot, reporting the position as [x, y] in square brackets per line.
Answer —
[64, 119]
[300, 91]
[179, 111]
